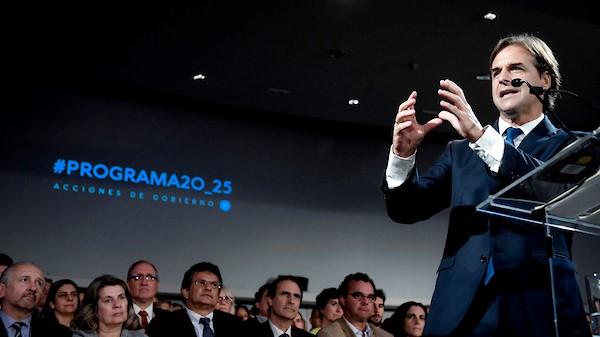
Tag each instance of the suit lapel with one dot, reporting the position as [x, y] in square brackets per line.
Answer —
[543, 129]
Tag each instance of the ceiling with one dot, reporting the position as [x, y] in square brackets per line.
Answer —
[299, 58]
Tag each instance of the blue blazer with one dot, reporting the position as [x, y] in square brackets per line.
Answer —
[459, 179]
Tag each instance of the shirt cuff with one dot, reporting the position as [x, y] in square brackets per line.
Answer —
[398, 169]
[490, 148]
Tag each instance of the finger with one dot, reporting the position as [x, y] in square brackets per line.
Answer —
[453, 98]
[405, 115]
[432, 124]
[451, 118]
[451, 86]
[401, 126]
[410, 102]
[451, 108]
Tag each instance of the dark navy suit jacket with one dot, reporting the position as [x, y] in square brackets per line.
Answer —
[461, 180]
[178, 323]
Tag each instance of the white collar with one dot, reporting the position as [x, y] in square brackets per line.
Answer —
[278, 332]
[526, 128]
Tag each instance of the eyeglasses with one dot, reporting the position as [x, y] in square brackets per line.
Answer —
[226, 299]
[139, 277]
[204, 283]
[357, 295]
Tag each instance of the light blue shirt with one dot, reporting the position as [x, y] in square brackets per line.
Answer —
[195, 318]
[8, 321]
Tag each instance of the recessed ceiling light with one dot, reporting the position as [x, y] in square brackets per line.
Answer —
[199, 77]
[490, 16]
[353, 101]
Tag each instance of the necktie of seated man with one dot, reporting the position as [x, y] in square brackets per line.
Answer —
[144, 315]
[17, 326]
[284, 335]
[206, 330]
[510, 134]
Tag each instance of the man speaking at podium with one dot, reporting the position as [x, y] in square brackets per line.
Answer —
[493, 279]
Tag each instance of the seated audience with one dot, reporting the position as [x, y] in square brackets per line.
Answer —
[242, 312]
[164, 304]
[62, 302]
[226, 301]
[5, 261]
[200, 289]
[379, 308]
[357, 295]
[315, 320]
[408, 320]
[299, 321]
[21, 285]
[107, 310]
[328, 307]
[143, 282]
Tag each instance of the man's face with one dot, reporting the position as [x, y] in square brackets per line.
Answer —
[23, 289]
[263, 305]
[203, 292]
[143, 283]
[514, 61]
[286, 302]
[358, 303]
[379, 308]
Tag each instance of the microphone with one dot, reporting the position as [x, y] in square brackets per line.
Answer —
[517, 82]
[537, 92]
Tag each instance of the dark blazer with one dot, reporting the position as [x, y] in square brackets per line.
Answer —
[459, 179]
[264, 330]
[178, 323]
[42, 328]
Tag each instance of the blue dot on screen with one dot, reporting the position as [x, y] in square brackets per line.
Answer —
[225, 205]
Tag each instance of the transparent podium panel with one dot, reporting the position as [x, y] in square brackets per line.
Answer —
[563, 193]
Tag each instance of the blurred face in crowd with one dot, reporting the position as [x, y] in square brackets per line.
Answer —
[112, 306]
[66, 300]
[332, 311]
[379, 308]
[22, 290]
[225, 300]
[203, 293]
[298, 321]
[358, 303]
[263, 305]
[414, 321]
[286, 302]
[242, 313]
[143, 283]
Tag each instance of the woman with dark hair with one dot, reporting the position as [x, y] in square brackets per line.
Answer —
[407, 321]
[107, 310]
[329, 308]
[62, 302]
[242, 312]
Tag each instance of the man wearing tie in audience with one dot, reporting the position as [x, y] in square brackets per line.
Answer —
[200, 289]
[493, 279]
[142, 280]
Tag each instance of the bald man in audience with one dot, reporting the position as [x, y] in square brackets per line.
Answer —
[21, 286]
[142, 281]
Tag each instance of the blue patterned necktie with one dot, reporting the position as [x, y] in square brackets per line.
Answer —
[512, 133]
[206, 330]
[18, 326]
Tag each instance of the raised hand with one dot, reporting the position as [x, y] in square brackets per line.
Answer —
[408, 133]
[458, 112]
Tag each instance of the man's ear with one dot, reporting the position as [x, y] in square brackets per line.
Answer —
[546, 80]
[185, 293]
[269, 301]
[2, 290]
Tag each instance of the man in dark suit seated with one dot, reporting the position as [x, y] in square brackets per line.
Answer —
[200, 289]
[143, 282]
[493, 279]
[21, 286]
[283, 297]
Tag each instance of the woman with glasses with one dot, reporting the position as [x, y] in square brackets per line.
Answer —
[407, 321]
[107, 310]
[226, 301]
[62, 302]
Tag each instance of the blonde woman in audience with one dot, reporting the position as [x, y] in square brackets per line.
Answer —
[107, 311]
[226, 301]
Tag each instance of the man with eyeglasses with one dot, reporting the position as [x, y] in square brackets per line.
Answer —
[142, 280]
[357, 295]
[200, 289]
[21, 286]
[283, 297]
